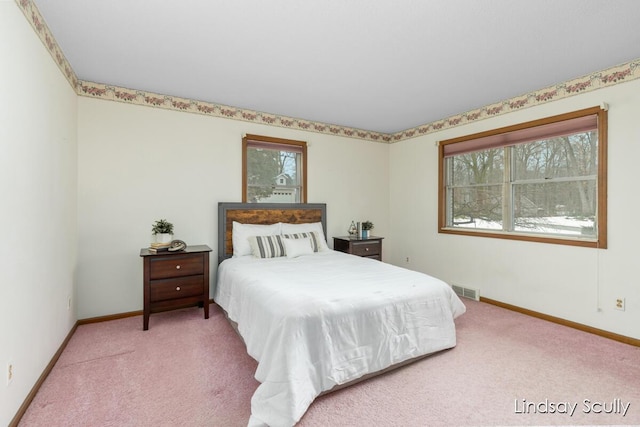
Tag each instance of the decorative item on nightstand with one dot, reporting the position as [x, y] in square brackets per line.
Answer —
[353, 231]
[163, 234]
[366, 226]
[177, 246]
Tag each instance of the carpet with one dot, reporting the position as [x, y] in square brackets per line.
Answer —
[507, 369]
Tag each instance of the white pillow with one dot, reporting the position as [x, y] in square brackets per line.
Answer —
[313, 236]
[242, 232]
[308, 227]
[296, 247]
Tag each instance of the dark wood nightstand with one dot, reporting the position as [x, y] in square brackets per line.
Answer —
[175, 279]
[370, 247]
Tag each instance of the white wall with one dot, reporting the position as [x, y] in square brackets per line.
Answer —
[138, 164]
[577, 284]
[38, 181]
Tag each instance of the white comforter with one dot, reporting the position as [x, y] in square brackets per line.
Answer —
[320, 320]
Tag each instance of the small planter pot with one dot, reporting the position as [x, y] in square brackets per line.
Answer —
[163, 238]
[365, 234]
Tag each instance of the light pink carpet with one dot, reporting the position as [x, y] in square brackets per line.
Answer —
[187, 371]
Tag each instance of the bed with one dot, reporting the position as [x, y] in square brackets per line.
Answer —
[316, 320]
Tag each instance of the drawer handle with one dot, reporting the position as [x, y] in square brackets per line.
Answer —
[177, 267]
[366, 249]
[177, 288]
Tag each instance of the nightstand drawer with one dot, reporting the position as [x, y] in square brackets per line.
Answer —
[180, 287]
[370, 247]
[176, 266]
[366, 248]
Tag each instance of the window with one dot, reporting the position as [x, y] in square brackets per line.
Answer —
[274, 170]
[543, 181]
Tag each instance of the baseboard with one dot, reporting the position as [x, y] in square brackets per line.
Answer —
[34, 390]
[564, 322]
[116, 316]
[109, 317]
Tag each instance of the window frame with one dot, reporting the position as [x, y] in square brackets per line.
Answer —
[599, 241]
[268, 142]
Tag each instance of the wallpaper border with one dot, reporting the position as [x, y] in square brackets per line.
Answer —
[611, 76]
[36, 20]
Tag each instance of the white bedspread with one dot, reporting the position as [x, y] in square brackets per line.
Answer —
[320, 320]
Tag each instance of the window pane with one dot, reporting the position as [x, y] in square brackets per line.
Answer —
[273, 175]
[477, 207]
[262, 166]
[568, 156]
[481, 167]
[566, 207]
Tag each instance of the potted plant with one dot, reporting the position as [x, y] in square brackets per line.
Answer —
[366, 226]
[163, 231]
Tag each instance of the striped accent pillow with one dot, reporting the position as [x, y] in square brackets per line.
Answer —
[312, 235]
[267, 246]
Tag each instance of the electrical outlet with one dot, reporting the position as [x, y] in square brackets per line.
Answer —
[9, 373]
[407, 260]
[620, 303]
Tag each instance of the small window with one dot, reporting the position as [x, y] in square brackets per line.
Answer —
[274, 170]
[541, 181]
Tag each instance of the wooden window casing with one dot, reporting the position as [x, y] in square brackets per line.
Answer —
[267, 142]
[475, 141]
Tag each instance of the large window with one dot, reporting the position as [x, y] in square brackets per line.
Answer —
[543, 181]
[274, 170]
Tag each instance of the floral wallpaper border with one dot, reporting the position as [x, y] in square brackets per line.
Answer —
[132, 96]
[609, 77]
[598, 80]
[36, 20]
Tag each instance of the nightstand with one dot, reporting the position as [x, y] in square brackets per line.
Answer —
[175, 279]
[370, 247]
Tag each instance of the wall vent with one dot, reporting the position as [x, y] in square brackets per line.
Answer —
[470, 293]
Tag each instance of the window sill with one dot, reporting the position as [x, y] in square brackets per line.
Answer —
[538, 238]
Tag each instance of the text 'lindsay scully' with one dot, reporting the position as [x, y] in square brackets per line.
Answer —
[616, 406]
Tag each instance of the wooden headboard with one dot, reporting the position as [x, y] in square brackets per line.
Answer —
[263, 213]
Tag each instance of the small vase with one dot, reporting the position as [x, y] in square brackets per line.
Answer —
[365, 234]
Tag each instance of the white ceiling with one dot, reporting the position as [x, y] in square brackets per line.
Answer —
[379, 65]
